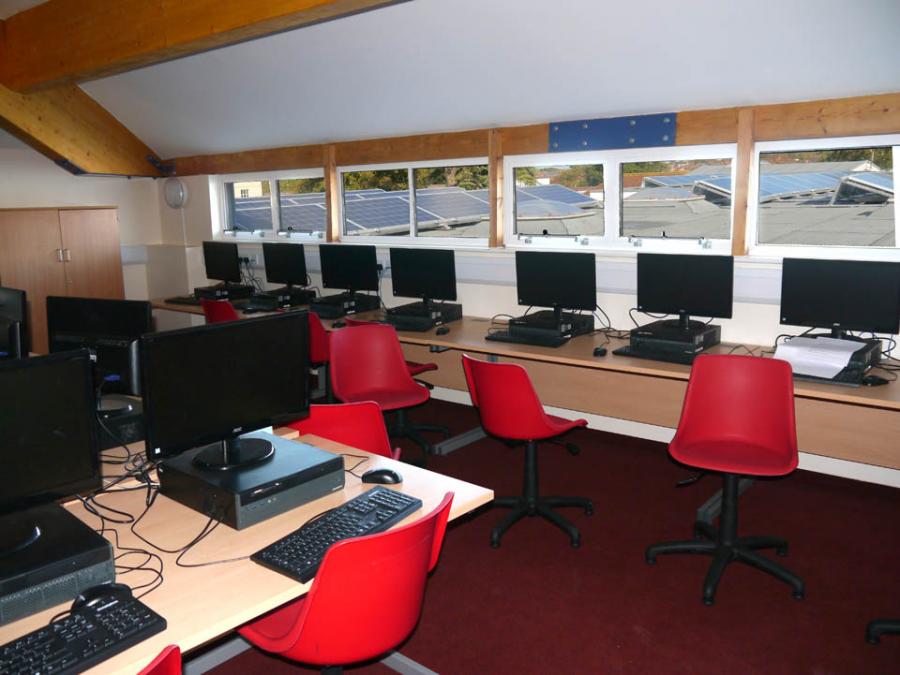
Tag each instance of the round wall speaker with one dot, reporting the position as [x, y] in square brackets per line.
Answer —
[175, 193]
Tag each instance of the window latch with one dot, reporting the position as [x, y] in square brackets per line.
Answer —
[635, 241]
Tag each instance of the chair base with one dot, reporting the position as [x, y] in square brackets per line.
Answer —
[401, 428]
[880, 627]
[725, 547]
[542, 507]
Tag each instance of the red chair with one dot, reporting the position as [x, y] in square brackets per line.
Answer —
[367, 365]
[365, 599]
[415, 368]
[738, 420]
[218, 311]
[167, 663]
[319, 352]
[359, 425]
[510, 409]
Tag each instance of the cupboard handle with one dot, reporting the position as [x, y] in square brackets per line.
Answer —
[59, 255]
[67, 255]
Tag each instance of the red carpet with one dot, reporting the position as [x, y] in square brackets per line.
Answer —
[536, 605]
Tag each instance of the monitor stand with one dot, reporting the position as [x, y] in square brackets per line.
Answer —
[234, 453]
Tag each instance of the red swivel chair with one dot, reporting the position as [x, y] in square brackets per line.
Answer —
[167, 663]
[738, 420]
[367, 365]
[218, 311]
[510, 409]
[365, 600]
[359, 425]
[414, 367]
[319, 352]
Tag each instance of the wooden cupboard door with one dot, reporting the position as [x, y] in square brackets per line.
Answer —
[30, 251]
[92, 252]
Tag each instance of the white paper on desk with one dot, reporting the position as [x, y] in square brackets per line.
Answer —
[817, 357]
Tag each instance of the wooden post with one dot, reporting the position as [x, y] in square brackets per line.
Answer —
[739, 244]
[495, 192]
[332, 196]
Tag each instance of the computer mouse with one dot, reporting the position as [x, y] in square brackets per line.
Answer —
[338, 324]
[442, 330]
[100, 594]
[382, 477]
[874, 380]
[599, 351]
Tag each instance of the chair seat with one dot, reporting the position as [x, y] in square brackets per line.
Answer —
[419, 368]
[276, 624]
[561, 426]
[738, 457]
[392, 399]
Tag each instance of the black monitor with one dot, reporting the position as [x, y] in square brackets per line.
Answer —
[285, 264]
[699, 285]
[13, 323]
[841, 295]
[207, 385]
[49, 448]
[429, 274]
[349, 267]
[221, 261]
[109, 328]
[557, 280]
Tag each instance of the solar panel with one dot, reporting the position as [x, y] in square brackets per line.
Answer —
[365, 193]
[877, 179]
[438, 190]
[452, 205]
[385, 212]
[558, 193]
[685, 180]
[483, 195]
[662, 193]
[303, 218]
[540, 208]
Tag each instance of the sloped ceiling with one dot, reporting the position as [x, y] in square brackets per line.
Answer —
[434, 65]
[10, 7]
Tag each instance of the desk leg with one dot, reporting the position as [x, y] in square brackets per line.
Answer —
[216, 656]
[459, 441]
[712, 507]
[405, 665]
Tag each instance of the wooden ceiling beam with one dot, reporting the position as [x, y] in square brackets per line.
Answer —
[75, 131]
[72, 41]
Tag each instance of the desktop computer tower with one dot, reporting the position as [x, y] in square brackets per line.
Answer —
[224, 292]
[668, 336]
[336, 306]
[123, 421]
[568, 324]
[417, 317]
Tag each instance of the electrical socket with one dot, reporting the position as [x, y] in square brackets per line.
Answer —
[252, 259]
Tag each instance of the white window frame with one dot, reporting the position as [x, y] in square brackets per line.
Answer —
[411, 239]
[612, 241]
[770, 251]
[264, 235]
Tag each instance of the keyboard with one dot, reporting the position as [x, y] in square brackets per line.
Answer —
[683, 358]
[82, 639]
[549, 340]
[184, 300]
[299, 554]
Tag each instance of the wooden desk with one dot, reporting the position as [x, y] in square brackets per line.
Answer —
[203, 603]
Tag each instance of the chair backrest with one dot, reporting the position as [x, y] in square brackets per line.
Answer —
[319, 340]
[739, 398]
[167, 663]
[359, 425]
[505, 398]
[217, 311]
[367, 358]
[367, 595]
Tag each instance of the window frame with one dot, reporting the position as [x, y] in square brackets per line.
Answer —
[275, 233]
[612, 240]
[779, 251]
[412, 239]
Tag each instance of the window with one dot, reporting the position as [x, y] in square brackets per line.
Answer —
[682, 199]
[829, 193]
[562, 200]
[287, 203]
[449, 202]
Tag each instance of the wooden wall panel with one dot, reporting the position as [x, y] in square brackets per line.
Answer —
[701, 127]
[418, 148]
[90, 238]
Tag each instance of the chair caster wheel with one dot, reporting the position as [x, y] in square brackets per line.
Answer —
[709, 602]
[573, 449]
[495, 541]
[799, 595]
[576, 543]
[589, 509]
[650, 560]
[781, 551]
[873, 640]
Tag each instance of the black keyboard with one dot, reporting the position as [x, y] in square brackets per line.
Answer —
[299, 554]
[549, 340]
[184, 300]
[82, 639]
[684, 358]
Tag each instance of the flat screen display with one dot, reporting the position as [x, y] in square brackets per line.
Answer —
[221, 261]
[212, 383]
[126, 319]
[48, 437]
[349, 267]
[843, 294]
[423, 273]
[551, 279]
[285, 264]
[695, 285]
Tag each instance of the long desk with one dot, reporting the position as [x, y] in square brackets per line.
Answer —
[204, 603]
[854, 424]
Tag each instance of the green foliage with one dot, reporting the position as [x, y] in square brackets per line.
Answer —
[580, 176]
[389, 179]
[299, 186]
[646, 167]
[526, 175]
[881, 157]
[465, 177]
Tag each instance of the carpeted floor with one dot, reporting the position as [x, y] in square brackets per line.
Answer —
[536, 605]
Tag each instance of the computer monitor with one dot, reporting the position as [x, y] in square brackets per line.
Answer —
[109, 328]
[48, 439]
[425, 273]
[699, 285]
[207, 385]
[14, 320]
[349, 267]
[557, 280]
[841, 295]
[285, 264]
[221, 261]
